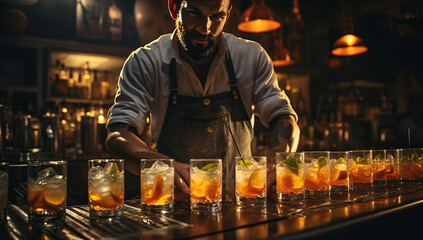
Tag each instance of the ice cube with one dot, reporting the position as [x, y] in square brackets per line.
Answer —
[46, 174]
[97, 173]
[56, 180]
[159, 166]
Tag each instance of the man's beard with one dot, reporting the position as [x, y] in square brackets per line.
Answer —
[195, 52]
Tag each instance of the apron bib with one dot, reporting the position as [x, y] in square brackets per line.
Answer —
[198, 127]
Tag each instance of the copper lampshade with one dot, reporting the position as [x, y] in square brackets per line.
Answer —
[349, 45]
[258, 18]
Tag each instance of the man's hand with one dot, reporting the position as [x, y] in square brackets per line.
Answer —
[284, 137]
[182, 176]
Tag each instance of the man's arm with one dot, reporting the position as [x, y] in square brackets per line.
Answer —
[122, 143]
[284, 137]
[285, 134]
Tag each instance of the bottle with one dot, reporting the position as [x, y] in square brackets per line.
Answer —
[86, 79]
[115, 17]
[105, 86]
[61, 84]
[96, 87]
[72, 85]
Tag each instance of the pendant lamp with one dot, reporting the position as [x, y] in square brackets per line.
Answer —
[258, 18]
[349, 44]
[280, 55]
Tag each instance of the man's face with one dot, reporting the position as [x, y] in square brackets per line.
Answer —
[199, 26]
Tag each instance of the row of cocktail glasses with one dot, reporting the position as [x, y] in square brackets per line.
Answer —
[300, 175]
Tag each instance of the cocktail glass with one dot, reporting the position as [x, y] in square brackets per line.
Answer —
[157, 184]
[379, 170]
[316, 174]
[251, 181]
[392, 168]
[206, 185]
[4, 190]
[360, 171]
[338, 173]
[106, 187]
[47, 188]
[290, 177]
[411, 165]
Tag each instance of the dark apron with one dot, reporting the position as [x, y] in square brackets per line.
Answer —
[198, 127]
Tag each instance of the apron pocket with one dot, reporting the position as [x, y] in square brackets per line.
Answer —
[204, 135]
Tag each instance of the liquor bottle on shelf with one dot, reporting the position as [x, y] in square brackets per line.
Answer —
[61, 85]
[81, 87]
[105, 86]
[95, 87]
[72, 85]
[87, 79]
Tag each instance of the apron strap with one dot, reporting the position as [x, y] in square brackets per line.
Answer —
[173, 84]
[233, 83]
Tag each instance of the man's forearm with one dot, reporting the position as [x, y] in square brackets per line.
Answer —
[285, 134]
[124, 144]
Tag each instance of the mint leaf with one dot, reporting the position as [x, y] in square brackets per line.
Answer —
[291, 163]
[361, 160]
[414, 157]
[378, 157]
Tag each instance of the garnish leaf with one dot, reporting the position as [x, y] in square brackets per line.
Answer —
[209, 166]
[291, 163]
[361, 160]
[247, 162]
[378, 157]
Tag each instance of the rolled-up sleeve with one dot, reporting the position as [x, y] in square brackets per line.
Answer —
[269, 100]
[135, 94]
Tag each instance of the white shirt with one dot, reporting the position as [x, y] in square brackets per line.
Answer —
[144, 82]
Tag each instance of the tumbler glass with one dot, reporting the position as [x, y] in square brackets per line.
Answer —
[251, 181]
[206, 185]
[47, 188]
[157, 185]
[290, 177]
[106, 187]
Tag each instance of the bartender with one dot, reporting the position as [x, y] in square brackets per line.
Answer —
[199, 85]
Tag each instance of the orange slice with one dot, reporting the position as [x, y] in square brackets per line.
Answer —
[54, 196]
[158, 189]
[323, 174]
[258, 179]
[34, 198]
[211, 189]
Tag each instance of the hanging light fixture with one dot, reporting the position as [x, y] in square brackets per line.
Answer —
[258, 18]
[280, 55]
[349, 44]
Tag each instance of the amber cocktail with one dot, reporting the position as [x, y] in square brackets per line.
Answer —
[360, 171]
[316, 174]
[379, 170]
[47, 191]
[290, 177]
[106, 187]
[206, 184]
[338, 173]
[392, 168]
[411, 165]
[251, 181]
[157, 183]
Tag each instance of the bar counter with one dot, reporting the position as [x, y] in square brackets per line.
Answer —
[381, 215]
